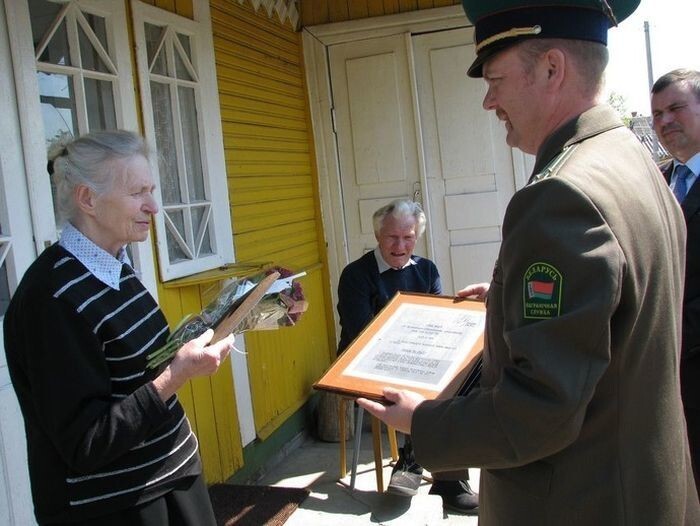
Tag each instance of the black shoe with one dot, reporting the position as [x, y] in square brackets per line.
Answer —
[406, 476]
[456, 495]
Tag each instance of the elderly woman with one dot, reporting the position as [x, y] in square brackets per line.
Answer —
[108, 441]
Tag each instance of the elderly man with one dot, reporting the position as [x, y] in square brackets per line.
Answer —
[578, 417]
[675, 105]
[366, 286]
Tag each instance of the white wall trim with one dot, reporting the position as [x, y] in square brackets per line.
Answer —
[241, 387]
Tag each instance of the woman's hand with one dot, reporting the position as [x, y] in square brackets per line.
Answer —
[195, 358]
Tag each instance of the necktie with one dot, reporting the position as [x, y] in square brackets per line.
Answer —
[681, 186]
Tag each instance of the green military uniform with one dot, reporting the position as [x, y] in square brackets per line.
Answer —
[578, 418]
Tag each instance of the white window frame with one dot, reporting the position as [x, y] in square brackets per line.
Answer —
[210, 133]
[32, 127]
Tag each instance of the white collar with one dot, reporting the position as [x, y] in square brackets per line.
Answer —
[103, 265]
[383, 266]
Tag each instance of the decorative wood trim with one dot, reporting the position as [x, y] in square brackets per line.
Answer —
[285, 10]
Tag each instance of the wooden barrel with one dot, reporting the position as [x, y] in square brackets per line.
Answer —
[328, 427]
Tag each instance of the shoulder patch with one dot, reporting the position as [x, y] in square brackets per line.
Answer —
[555, 164]
[542, 286]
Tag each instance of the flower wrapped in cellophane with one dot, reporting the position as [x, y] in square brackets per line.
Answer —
[282, 305]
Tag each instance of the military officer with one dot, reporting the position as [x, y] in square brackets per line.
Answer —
[578, 418]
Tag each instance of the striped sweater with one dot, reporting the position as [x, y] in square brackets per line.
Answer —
[99, 438]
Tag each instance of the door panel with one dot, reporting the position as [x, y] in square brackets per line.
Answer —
[469, 167]
[376, 132]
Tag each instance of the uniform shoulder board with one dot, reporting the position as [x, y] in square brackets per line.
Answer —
[555, 164]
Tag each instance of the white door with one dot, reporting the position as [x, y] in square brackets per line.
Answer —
[376, 133]
[468, 165]
[409, 123]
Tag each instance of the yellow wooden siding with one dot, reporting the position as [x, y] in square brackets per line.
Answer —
[210, 402]
[274, 198]
[325, 11]
[284, 364]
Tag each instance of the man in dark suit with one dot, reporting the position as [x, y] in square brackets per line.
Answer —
[578, 418]
[675, 105]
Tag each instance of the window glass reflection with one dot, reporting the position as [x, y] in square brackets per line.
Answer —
[58, 110]
[99, 99]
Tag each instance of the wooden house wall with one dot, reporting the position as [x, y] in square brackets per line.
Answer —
[274, 196]
[326, 11]
[275, 213]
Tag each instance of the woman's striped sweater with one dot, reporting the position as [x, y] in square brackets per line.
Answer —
[99, 437]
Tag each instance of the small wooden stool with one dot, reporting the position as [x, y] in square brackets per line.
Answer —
[376, 442]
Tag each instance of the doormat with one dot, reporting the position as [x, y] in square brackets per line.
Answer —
[254, 505]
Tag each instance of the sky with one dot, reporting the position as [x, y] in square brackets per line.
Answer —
[673, 30]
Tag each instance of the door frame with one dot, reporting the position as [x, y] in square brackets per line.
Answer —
[316, 41]
[15, 492]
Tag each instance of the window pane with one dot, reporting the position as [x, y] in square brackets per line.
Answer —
[153, 37]
[99, 99]
[180, 70]
[185, 41]
[190, 135]
[174, 251]
[199, 214]
[42, 15]
[99, 27]
[88, 54]
[57, 106]
[165, 143]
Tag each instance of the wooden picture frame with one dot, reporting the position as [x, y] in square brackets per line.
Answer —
[422, 342]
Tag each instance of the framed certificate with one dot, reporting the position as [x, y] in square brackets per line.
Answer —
[422, 342]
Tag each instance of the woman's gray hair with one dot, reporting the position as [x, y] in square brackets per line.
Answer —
[88, 160]
[399, 208]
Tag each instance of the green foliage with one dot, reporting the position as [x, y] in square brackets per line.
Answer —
[619, 104]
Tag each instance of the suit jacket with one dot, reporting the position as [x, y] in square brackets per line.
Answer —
[690, 342]
[578, 419]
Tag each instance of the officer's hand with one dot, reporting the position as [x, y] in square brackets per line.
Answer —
[477, 291]
[397, 415]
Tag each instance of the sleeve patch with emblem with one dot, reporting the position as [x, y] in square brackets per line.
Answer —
[542, 285]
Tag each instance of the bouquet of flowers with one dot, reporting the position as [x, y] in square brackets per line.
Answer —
[281, 306]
